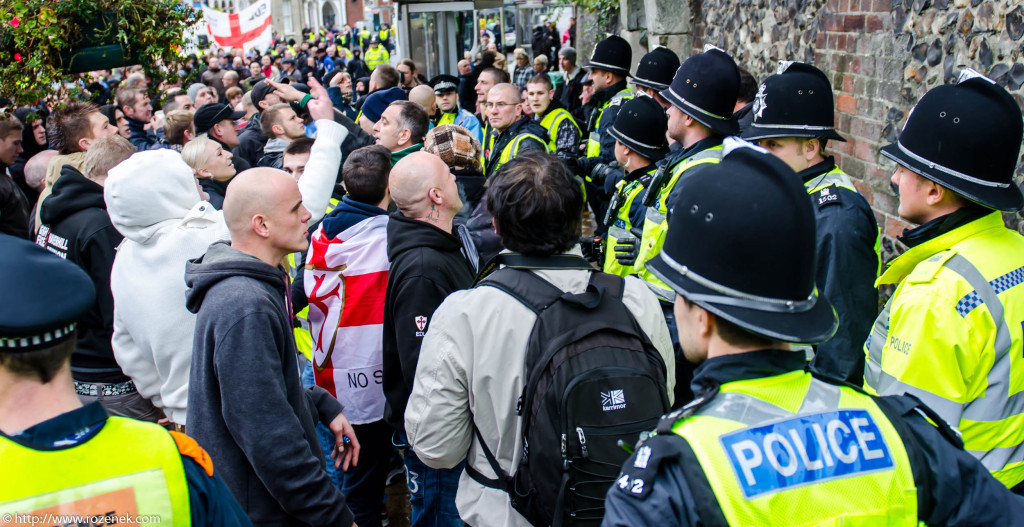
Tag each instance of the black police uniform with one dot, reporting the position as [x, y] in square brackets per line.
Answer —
[797, 102]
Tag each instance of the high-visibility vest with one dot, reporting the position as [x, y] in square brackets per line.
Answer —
[621, 204]
[128, 467]
[951, 335]
[839, 178]
[594, 138]
[511, 150]
[376, 57]
[655, 225]
[801, 452]
[552, 121]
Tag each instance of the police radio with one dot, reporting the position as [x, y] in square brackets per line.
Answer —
[613, 210]
[655, 188]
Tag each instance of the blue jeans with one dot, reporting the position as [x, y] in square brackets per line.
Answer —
[326, 437]
[433, 492]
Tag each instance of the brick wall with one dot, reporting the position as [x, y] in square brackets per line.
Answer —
[881, 56]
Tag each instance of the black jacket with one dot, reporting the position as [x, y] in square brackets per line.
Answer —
[247, 407]
[570, 94]
[953, 488]
[216, 189]
[250, 141]
[524, 125]
[14, 207]
[140, 138]
[76, 226]
[847, 269]
[427, 265]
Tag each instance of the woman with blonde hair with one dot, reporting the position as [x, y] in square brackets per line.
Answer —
[211, 165]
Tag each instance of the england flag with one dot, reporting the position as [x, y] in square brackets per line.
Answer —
[249, 29]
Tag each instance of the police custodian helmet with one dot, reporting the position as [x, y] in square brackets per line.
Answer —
[795, 102]
[656, 69]
[966, 137]
[748, 208]
[705, 87]
[640, 126]
[612, 54]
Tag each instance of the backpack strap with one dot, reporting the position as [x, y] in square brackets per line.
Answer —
[503, 481]
[519, 261]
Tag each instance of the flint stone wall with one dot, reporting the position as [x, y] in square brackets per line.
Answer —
[881, 56]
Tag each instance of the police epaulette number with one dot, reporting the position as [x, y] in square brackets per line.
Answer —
[637, 476]
[826, 196]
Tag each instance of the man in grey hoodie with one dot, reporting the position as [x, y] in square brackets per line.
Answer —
[247, 407]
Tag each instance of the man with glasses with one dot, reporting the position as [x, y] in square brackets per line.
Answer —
[512, 132]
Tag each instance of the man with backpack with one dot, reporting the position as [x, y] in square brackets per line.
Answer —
[535, 377]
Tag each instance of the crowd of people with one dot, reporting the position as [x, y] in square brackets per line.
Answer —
[543, 292]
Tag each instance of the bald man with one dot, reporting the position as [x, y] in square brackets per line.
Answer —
[427, 264]
[425, 97]
[510, 132]
[247, 407]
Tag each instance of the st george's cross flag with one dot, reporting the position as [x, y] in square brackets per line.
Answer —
[246, 30]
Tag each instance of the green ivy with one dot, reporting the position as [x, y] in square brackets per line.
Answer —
[606, 12]
[33, 33]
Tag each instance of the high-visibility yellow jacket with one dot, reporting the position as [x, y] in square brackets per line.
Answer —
[952, 335]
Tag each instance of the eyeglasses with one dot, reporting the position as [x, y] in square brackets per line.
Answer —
[499, 105]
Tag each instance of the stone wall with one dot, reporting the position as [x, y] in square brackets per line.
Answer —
[881, 56]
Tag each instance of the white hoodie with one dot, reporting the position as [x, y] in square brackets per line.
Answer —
[153, 201]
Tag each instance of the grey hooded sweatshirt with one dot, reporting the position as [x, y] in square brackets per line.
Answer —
[247, 407]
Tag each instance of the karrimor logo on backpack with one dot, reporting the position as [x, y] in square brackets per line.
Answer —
[613, 400]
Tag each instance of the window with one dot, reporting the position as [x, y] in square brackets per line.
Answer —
[286, 8]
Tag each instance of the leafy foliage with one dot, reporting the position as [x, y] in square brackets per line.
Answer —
[607, 12]
[34, 33]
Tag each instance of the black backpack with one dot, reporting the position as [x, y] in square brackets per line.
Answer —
[594, 383]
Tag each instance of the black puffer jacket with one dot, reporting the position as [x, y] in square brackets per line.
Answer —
[427, 265]
[76, 226]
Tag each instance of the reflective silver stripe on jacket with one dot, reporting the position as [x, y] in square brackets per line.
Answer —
[751, 411]
[996, 405]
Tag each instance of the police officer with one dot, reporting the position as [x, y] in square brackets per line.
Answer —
[446, 88]
[50, 443]
[793, 119]
[702, 93]
[639, 133]
[655, 72]
[766, 442]
[376, 55]
[609, 68]
[951, 333]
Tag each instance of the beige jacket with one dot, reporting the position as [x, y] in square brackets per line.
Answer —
[471, 367]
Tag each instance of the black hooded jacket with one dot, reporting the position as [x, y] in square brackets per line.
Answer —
[427, 265]
[247, 407]
[250, 141]
[76, 227]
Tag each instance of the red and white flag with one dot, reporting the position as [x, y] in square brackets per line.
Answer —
[249, 29]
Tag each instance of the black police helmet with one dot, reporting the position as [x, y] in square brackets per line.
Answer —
[656, 69]
[42, 306]
[795, 102]
[640, 125]
[747, 209]
[966, 137]
[705, 87]
[612, 54]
